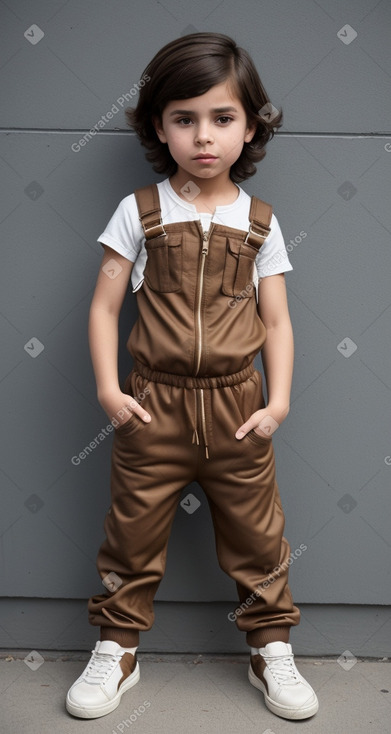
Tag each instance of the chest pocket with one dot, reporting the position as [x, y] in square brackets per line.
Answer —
[238, 269]
[163, 269]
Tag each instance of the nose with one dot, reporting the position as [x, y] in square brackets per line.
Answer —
[203, 134]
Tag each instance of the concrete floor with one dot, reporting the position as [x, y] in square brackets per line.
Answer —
[187, 694]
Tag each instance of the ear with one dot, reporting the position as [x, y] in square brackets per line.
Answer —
[250, 132]
[157, 123]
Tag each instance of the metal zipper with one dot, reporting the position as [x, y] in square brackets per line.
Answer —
[204, 252]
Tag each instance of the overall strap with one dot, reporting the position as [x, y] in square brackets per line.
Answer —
[260, 217]
[148, 205]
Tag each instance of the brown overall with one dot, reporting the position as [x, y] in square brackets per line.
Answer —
[193, 347]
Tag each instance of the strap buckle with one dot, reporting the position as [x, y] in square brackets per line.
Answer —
[153, 230]
[263, 233]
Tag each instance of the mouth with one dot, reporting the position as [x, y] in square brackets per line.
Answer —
[205, 157]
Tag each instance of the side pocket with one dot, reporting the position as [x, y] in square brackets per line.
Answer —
[133, 422]
[256, 438]
[163, 269]
[238, 269]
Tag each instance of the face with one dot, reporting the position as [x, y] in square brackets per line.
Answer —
[205, 135]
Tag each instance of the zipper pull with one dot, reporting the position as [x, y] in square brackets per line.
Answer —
[205, 246]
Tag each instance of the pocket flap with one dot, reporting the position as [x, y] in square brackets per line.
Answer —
[238, 269]
[238, 248]
[163, 269]
[163, 241]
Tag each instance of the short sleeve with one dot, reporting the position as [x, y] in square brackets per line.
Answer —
[123, 232]
[273, 258]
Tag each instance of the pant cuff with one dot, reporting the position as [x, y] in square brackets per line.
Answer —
[123, 637]
[261, 637]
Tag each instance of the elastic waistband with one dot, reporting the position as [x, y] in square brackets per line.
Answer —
[168, 378]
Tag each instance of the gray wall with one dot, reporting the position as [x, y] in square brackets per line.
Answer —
[327, 173]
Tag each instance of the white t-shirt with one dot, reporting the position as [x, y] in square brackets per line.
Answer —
[125, 235]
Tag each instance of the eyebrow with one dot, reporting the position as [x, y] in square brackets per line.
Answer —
[216, 110]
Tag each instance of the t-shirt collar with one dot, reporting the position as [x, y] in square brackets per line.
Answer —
[191, 207]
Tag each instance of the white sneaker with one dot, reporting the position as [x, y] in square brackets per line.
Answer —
[273, 671]
[110, 672]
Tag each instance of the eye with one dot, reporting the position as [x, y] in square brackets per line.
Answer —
[184, 121]
[224, 119]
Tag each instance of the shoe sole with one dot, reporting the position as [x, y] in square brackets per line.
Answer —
[284, 711]
[83, 712]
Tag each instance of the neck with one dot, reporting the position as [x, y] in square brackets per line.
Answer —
[219, 190]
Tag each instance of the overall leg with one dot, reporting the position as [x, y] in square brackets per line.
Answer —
[240, 484]
[151, 463]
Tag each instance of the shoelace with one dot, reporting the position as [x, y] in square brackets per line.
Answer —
[99, 667]
[282, 668]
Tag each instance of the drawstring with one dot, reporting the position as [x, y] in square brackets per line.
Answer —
[195, 437]
[195, 432]
[203, 422]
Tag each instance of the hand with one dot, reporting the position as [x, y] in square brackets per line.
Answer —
[264, 422]
[120, 406]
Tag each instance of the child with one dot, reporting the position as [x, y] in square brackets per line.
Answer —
[200, 253]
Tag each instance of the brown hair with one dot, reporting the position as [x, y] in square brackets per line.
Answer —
[189, 67]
